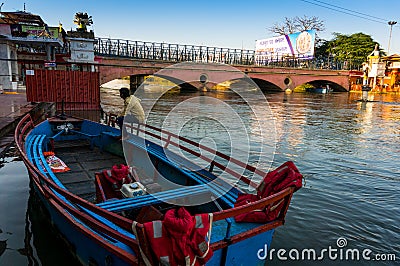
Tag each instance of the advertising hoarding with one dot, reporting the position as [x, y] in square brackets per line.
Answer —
[36, 31]
[299, 44]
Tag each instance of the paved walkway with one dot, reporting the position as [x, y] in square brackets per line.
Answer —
[12, 107]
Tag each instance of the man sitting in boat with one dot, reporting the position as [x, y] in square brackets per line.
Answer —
[133, 110]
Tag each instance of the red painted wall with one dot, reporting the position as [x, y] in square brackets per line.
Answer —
[79, 90]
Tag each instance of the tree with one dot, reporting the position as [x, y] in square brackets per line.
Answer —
[353, 48]
[287, 27]
[296, 24]
[82, 20]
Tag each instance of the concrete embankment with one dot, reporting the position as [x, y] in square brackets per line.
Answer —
[12, 108]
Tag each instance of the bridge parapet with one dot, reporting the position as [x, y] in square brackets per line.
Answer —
[173, 52]
[116, 67]
[107, 47]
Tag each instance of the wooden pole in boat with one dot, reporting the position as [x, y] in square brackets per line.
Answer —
[62, 116]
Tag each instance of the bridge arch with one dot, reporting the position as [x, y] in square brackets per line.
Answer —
[286, 80]
[265, 85]
[185, 86]
[110, 73]
[339, 83]
[333, 85]
[112, 68]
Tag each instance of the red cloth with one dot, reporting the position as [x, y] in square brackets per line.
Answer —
[118, 176]
[286, 175]
[119, 172]
[257, 216]
[180, 239]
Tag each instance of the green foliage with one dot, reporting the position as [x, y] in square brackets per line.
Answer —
[355, 47]
[303, 87]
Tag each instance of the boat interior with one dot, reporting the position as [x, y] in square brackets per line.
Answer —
[90, 150]
[163, 173]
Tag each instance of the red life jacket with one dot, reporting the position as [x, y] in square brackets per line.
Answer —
[117, 176]
[119, 172]
[180, 239]
[286, 175]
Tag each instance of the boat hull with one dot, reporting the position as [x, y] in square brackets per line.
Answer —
[81, 245]
[321, 90]
[246, 252]
[98, 235]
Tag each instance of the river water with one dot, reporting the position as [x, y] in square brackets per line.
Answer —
[348, 152]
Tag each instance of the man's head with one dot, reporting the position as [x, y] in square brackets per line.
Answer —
[124, 92]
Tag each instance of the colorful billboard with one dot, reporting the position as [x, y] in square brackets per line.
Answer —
[50, 32]
[300, 44]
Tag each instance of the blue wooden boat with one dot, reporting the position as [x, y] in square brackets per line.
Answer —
[321, 89]
[103, 228]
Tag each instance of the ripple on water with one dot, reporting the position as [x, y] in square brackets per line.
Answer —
[348, 154]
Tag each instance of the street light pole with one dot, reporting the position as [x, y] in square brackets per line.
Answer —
[391, 23]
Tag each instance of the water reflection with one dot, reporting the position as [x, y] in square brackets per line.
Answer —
[43, 243]
[30, 224]
[349, 155]
[347, 151]
[26, 236]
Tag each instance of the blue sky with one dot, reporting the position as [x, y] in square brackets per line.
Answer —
[231, 24]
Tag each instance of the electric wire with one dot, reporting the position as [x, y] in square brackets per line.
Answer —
[342, 10]
[363, 14]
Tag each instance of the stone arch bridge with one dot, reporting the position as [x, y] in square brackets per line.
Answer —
[267, 78]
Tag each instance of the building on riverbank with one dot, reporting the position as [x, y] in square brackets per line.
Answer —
[54, 65]
[381, 73]
[22, 31]
[392, 77]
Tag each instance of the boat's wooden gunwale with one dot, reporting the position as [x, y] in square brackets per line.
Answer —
[46, 186]
[47, 189]
[168, 141]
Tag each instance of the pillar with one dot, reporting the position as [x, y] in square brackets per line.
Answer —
[135, 82]
[8, 66]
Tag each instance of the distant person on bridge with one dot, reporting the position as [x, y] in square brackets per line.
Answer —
[133, 110]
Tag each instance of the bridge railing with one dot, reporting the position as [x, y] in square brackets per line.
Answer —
[193, 53]
[172, 52]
